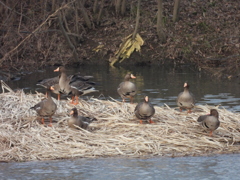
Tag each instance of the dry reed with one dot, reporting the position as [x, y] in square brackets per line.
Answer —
[115, 133]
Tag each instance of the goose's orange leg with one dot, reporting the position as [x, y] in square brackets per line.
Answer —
[43, 121]
[151, 122]
[131, 99]
[76, 100]
[72, 100]
[50, 122]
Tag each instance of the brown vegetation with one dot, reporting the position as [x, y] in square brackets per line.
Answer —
[115, 133]
[51, 32]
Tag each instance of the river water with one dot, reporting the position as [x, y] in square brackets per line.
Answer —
[162, 85]
[221, 167]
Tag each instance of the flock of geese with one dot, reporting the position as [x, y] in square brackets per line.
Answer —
[76, 85]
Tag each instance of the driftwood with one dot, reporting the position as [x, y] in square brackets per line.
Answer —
[115, 133]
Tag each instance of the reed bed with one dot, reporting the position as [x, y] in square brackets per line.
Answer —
[115, 133]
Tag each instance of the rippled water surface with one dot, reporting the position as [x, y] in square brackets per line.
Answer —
[223, 167]
[161, 84]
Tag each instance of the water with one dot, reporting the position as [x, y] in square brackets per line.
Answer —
[221, 167]
[162, 85]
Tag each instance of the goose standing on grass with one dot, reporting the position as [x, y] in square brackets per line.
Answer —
[79, 121]
[127, 89]
[185, 99]
[54, 82]
[73, 86]
[144, 111]
[80, 88]
[64, 81]
[46, 108]
[210, 122]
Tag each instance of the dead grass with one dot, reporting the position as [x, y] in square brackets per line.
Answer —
[116, 133]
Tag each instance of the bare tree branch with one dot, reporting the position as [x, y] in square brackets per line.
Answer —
[13, 10]
[160, 25]
[15, 48]
[137, 20]
[75, 55]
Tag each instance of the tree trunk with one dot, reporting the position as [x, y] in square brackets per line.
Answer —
[75, 55]
[76, 22]
[175, 10]
[64, 12]
[53, 5]
[117, 6]
[123, 7]
[137, 20]
[100, 12]
[85, 15]
[160, 24]
[95, 6]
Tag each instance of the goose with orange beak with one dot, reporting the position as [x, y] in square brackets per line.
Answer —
[79, 121]
[144, 111]
[46, 108]
[185, 99]
[73, 86]
[127, 89]
[210, 122]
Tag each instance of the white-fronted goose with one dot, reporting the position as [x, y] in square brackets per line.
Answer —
[210, 122]
[46, 108]
[80, 88]
[64, 81]
[185, 99]
[74, 86]
[127, 89]
[144, 111]
[50, 82]
[79, 121]
[54, 82]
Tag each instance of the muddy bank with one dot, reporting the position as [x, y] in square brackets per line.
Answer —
[206, 35]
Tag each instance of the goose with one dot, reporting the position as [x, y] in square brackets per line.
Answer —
[185, 99]
[127, 89]
[144, 111]
[79, 121]
[46, 107]
[54, 82]
[210, 122]
[74, 86]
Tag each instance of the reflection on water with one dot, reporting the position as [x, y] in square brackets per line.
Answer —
[161, 84]
[222, 167]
